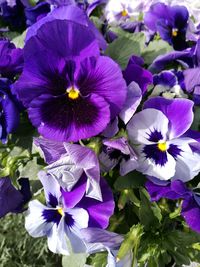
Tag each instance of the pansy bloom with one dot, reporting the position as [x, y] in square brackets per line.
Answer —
[170, 22]
[70, 91]
[66, 214]
[157, 131]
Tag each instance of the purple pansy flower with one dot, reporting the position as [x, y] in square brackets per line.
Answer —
[69, 162]
[177, 190]
[9, 111]
[11, 59]
[66, 214]
[170, 22]
[11, 199]
[65, 73]
[117, 151]
[157, 131]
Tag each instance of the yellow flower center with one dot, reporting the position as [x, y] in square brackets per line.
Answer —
[124, 13]
[73, 93]
[174, 32]
[60, 211]
[162, 146]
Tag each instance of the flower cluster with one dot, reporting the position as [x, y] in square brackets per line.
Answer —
[99, 120]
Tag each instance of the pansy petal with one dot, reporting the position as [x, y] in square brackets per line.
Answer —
[50, 150]
[191, 213]
[86, 159]
[99, 212]
[71, 198]
[178, 111]
[188, 162]
[51, 188]
[57, 240]
[149, 167]
[35, 223]
[133, 99]
[145, 124]
[102, 79]
[75, 40]
[70, 122]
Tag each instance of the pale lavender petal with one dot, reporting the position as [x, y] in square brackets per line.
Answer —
[50, 150]
[133, 99]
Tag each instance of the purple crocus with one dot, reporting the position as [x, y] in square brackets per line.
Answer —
[177, 190]
[117, 151]
[157, 131]
[70, 91]
[170, 22]
[11, 59]
[9, 111]
[66, 214]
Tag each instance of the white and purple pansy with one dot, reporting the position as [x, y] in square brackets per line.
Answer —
[157, 133]
[66, 213]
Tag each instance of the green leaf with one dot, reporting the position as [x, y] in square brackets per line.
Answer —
[121, 49]
[75, 260]
[98, 260]
[131, 241]
[149, 212]
[31, 169]
[155, 49]
[19, 40]
[131, 180]
[196, 120]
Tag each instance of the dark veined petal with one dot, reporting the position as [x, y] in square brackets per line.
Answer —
[63, 120]
[103, 78]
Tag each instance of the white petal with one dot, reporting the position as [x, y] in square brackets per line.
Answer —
[144, 123]
[34, 221]
[188, 162]
[57, 239]
[148, 167]
[80, 217]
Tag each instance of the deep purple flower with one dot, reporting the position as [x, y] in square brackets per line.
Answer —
[178, 190]
[70, 91]
[9, 111]
[170, 22]
[11, 59]
[66, 214]
[11, 199]
[192, 83]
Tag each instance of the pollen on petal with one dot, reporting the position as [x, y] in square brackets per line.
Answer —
[60, 211]
[73, 93]
[174, 32]
[124, 13]
[162, 146]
